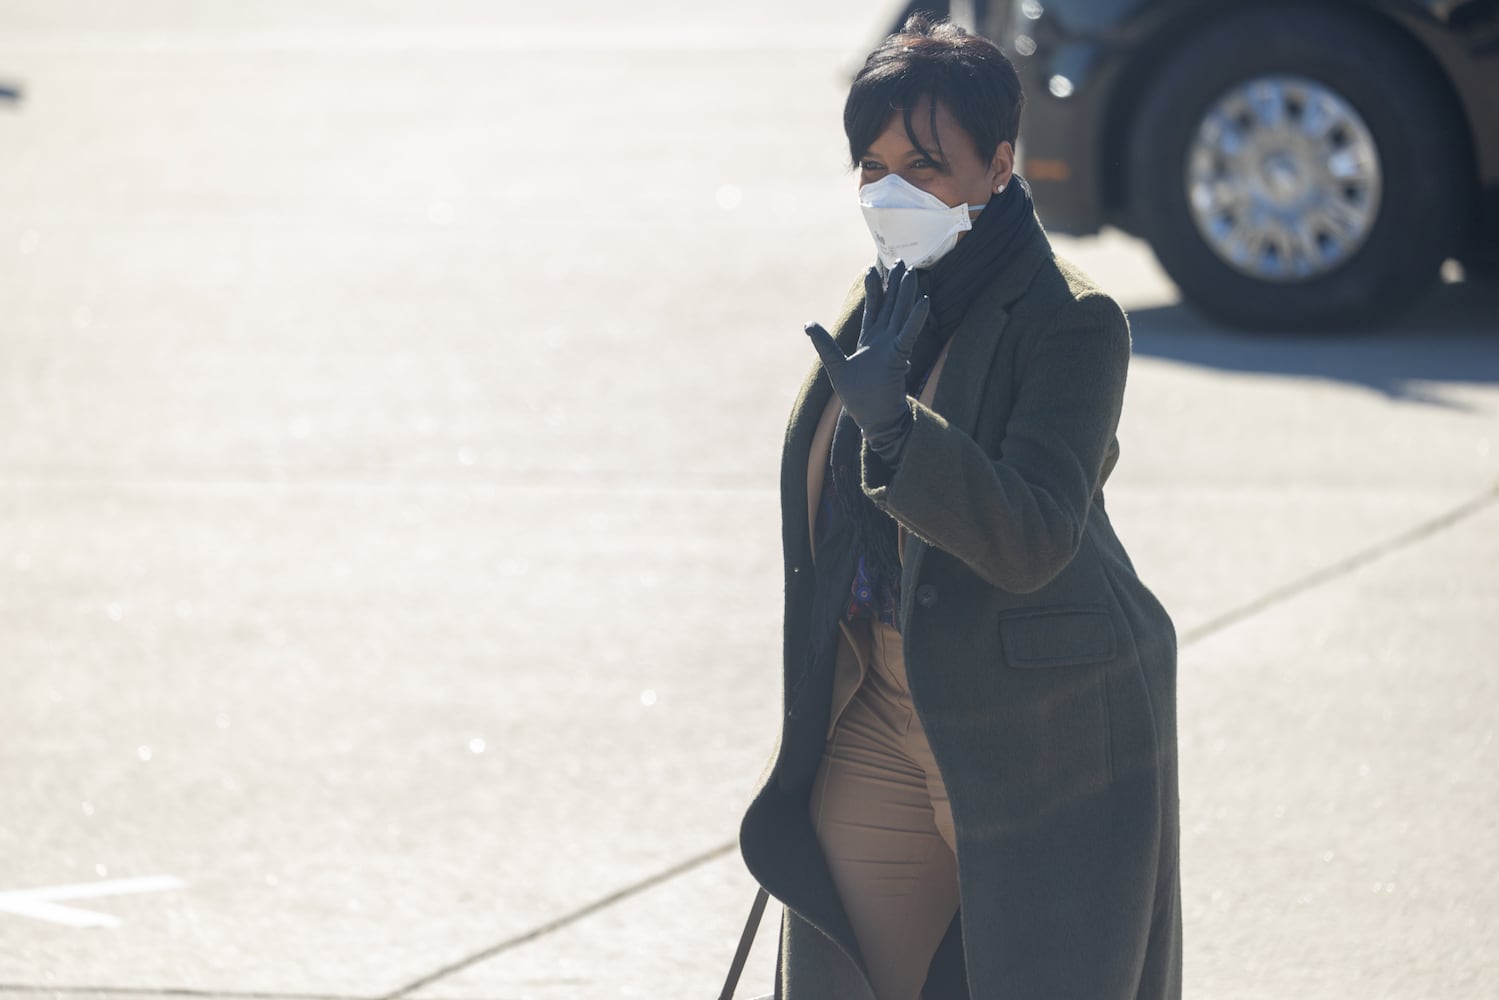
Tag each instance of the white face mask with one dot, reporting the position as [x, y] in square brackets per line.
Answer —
[910, 224]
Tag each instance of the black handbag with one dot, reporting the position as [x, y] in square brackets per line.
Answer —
[746, 939]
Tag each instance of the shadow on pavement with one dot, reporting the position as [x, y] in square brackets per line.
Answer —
[1451, 336]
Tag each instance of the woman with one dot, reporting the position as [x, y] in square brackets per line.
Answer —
[974, 792]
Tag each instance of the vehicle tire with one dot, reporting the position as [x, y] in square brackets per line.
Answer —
[1298, 169]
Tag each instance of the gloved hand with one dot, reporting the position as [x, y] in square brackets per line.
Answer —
[872, 381]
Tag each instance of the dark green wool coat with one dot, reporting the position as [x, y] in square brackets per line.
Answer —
[1042, 669]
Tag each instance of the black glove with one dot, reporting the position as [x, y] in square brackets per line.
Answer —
[872, 381]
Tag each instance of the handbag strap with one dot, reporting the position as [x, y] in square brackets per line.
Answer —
[746, 939]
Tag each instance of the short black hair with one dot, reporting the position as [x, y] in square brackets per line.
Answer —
[942, 61]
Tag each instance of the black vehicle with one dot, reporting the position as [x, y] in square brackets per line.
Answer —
[1293, 165]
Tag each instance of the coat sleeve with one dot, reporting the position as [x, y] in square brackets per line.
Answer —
[1017, 519]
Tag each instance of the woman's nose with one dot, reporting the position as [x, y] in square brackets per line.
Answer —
[912, 179]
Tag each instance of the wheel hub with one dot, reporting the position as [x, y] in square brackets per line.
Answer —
[1283, 178]
[1280, 178]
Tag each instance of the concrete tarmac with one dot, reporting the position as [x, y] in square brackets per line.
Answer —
[392, 397]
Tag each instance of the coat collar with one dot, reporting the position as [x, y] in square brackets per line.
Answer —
[977, 337]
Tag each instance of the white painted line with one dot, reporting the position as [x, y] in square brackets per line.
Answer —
[69, 916]
[40, 904]
[93, 890]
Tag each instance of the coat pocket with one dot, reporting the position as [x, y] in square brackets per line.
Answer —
[1073, 635]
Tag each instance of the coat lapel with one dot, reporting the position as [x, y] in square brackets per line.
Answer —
[817, 464]
[806, 433]
[975, 341]
[928, 395]
[969, 356]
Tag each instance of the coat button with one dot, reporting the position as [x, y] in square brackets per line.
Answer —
[926, 595]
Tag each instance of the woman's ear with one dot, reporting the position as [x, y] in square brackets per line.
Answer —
[1002, 166]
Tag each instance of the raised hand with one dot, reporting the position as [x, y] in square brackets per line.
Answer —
[871, 382]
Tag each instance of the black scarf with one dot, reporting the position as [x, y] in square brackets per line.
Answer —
[857, 527]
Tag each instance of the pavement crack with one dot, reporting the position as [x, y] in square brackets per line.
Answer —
[566, 919]
[1341, 568]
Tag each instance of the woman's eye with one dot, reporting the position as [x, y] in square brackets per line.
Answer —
[869, 167]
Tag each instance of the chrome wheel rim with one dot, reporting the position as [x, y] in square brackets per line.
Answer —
[1283, 179]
